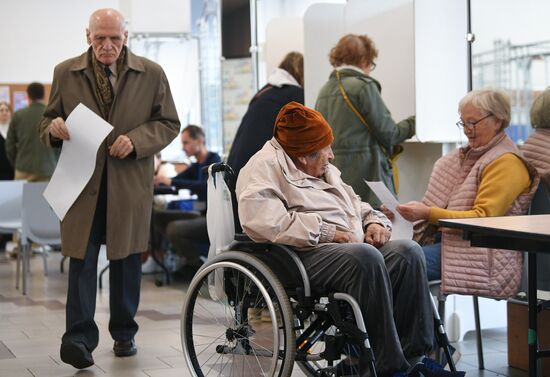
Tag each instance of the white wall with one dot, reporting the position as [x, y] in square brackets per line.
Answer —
[39, 34]
[323, 26]
[283, 34]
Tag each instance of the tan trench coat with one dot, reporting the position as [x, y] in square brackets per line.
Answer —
[143, 110]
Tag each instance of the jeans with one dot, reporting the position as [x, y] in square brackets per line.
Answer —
[433, 259]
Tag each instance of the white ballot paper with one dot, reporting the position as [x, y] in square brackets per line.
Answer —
[401, 228]
[76, 163]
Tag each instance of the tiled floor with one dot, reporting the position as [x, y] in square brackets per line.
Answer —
[31, 328]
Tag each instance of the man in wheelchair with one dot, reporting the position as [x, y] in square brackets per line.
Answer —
[290, 193]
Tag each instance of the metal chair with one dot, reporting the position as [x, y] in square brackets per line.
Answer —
[39, 224]
[11, 202]
[435, 289]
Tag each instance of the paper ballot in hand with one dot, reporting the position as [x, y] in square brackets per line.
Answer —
[402, 229]
[77, 160]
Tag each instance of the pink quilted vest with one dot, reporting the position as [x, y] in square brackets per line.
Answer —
[536, 152]
[453, 185]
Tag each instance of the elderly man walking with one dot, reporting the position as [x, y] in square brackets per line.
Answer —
[290, 193]
[133, 95]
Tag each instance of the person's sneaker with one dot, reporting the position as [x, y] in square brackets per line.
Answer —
[430, 368]
[150, 266]
[174, 262]
[76, 354]
[11, 249]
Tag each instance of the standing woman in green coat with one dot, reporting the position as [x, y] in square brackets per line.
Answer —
[366, 138]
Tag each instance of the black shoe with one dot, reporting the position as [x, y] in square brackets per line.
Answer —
[124, 348]
[76, 354]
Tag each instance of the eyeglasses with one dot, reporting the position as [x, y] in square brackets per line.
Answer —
[471, 125]
[372, 66]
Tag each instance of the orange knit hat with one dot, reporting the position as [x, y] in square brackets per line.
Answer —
[301, 130]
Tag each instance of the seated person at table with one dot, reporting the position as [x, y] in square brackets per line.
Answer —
[290, 193]
[535, 148]
[487, 177]
[186, 231]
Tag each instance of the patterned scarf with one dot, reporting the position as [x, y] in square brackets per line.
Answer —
[104, 94]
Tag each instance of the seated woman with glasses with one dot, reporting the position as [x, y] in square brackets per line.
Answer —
[487, 177]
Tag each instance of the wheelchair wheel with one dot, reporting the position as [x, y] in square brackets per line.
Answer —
[221, 334]
[320, 341]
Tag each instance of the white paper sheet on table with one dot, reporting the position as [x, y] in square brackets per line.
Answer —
[77, 161]
[402, 229]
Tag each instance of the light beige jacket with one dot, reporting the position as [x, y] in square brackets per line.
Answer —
[281, 204]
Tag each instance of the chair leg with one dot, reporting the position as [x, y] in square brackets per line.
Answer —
[45, 259]
[478, 334]
[101, 276]
[25, 265]
[441, 300]
[62, 264]
[18, 268]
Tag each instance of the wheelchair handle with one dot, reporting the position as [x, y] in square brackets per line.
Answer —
[219, 167]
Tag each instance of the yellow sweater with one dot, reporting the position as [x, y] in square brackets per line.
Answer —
[502, 181]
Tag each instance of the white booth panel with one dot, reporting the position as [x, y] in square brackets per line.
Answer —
[390, 24]
[323, 26]
[283, 34]
[441, 68]
[161, 16]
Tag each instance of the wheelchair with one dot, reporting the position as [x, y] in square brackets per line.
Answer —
[222, 335]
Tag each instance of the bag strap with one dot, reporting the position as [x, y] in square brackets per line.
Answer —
[392, 158]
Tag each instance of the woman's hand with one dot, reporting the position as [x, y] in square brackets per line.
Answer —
[388, 212]
[413, 211]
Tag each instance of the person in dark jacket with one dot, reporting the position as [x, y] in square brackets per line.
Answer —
[186, 230]
[6, 170]
[284, 85]
[32, 160]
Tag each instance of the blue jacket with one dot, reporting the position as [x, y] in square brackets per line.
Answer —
[194, 178]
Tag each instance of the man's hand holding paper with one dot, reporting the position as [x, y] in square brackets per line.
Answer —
[78, 156]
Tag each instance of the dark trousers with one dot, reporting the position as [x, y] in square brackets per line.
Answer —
[159, 223]
[124, 289]
[189, 238]
[391, 288]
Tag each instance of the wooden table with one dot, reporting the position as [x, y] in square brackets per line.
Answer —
[521, 233]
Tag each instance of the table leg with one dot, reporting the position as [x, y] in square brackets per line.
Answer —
[532, 300]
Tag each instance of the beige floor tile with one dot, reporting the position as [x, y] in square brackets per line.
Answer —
[111, 364]
[171, 372]
[65, 370]
[175, 361]
[9, 367]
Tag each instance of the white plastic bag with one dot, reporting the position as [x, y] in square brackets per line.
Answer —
[221, 226]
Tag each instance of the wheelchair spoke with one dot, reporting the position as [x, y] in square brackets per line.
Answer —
[221, 335]
[270, 353]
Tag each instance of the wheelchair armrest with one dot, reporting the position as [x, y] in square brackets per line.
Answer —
[242, 237]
